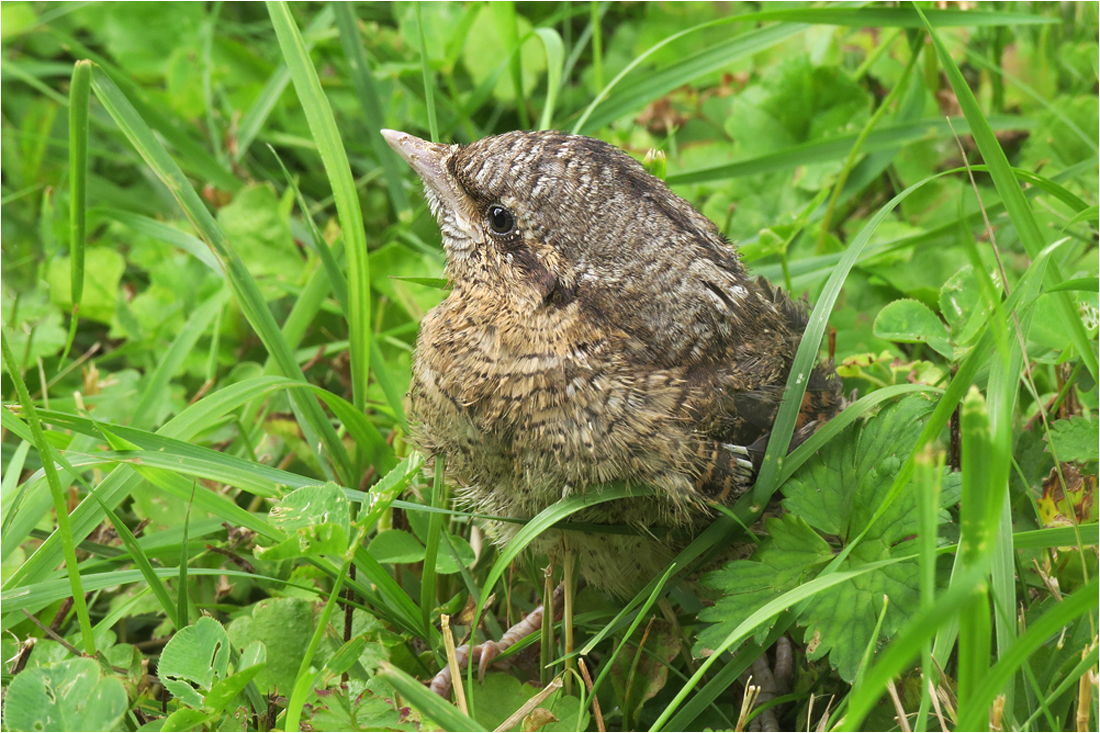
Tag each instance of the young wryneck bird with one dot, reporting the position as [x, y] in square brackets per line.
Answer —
[599, 329]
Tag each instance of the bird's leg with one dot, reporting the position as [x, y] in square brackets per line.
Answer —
[773, 682]
[484, 653]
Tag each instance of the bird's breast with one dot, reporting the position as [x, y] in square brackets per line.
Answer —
[500, 366]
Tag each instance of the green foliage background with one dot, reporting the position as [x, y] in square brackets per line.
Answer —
[213, 273]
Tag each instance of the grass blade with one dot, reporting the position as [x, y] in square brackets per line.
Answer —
[885, 137]
[79, 93]
[156, 384]
[142, 561]
[64, 530]
[928, 482]
[633, 96]
[304, 681]
[442, 713]
[857, 145]
[508, 26]
[336, 279]
[248, 294]
[335, 158]
[253, 120]
[1077, 604]
[426, 72]
[42, 594]
[11, 492]
[166, 233]
[639, 93]
[123, 481]
[394, 397]
[175, 130]
[1023, 219]
[555, 59]
[363, 78]
[551, 516]
[431, 544]
[806, 357]
[975, 542]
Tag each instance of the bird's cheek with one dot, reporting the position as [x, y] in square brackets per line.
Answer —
[460, 232]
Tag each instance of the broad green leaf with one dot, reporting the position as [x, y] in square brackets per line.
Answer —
[910, 322]
[482, 57]
[186, 719]
[962, 306]
[261, 236]
[502, 694]
[395, 546]
[253, 660]
[284, 626]
[197, 654]
[317, 520]
[362, 76]
[69, 695]
[103, 269]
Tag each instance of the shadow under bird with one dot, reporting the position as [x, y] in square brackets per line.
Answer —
[599, 329]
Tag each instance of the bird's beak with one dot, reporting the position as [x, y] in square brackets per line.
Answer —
[425, 157]
[428, 159]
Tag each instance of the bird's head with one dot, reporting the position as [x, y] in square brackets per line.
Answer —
[550, 211]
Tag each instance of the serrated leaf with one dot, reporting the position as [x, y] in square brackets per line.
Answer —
[910, 322]
[372, 709]
[886, 368]
[791, 554]
[842, 619]
[836, 494]
[1075, 439]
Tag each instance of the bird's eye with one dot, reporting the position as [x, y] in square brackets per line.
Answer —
[501, 220]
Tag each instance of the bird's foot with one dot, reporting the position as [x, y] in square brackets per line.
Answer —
[486, 652]
[773, 681]
[742, 461]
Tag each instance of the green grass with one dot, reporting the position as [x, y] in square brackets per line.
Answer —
[213, 273]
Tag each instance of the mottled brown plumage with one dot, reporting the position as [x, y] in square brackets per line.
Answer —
[599, 329]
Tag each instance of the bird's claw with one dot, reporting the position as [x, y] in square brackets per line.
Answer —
[741, 460]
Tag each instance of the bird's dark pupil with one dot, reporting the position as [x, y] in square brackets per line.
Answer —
[501, 220]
